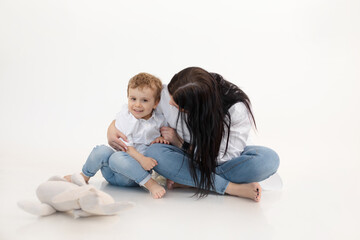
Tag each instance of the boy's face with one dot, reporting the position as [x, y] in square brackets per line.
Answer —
[141, 102]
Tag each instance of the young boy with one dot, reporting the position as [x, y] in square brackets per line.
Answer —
[140, 123]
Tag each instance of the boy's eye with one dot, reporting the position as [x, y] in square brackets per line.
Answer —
[133, 99]
[145, 100]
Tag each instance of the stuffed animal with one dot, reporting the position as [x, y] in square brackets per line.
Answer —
[57, 194]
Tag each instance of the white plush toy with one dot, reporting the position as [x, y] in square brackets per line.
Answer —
[82, 199]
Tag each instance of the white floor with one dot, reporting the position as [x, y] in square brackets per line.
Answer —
[64, 67]
[321, 204]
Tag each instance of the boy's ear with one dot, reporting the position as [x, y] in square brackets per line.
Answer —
[156, 103]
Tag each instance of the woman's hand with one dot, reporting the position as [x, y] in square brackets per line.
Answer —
[171, 135]
[113, 135]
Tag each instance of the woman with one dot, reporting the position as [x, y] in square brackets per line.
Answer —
[210, 119]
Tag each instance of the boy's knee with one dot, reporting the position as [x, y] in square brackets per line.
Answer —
[102, 150]
[119, 160]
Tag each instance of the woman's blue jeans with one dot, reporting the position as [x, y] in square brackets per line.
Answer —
[255, 164]
[118, 168]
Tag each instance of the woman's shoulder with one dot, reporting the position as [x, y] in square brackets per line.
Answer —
[238, 112]
[164, 100]
[238, 108]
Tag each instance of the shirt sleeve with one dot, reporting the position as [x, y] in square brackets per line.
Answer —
[240, 125]
[239, 132]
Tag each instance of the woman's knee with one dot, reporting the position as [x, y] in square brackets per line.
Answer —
[159, 151]
[272, 158]
[270, 162]
[154, 150]
[261, 162]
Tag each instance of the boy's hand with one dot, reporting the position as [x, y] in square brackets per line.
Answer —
[160, 140]
[148, 163]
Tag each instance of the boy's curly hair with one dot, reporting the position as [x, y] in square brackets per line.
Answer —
[142, 80]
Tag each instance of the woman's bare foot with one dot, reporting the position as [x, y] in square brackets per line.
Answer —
[171, 185]
[246, 190]
[156, 190]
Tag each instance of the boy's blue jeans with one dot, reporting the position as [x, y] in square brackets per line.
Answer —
[255, 164]
[118, 168]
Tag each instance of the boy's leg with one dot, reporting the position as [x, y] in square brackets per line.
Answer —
[116, 178]
[98, 158]
[123, 164]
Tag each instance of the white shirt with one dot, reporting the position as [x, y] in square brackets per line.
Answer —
[139, 132]
[239, 129]
[171, 114]
[239, 132]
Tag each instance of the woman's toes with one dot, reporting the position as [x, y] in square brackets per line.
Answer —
[169, 184]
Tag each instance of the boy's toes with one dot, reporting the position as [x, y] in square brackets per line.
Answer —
[68, 178]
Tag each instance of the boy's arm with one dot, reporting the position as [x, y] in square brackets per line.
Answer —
[146, 162]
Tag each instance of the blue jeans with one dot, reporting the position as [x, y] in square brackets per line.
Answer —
[118, 168]
[255, 164]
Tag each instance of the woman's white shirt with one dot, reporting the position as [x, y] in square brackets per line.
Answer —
[239, 132]
[139, 132]
[239, 129]
[171, 114]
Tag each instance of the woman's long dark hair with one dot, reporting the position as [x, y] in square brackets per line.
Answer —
[205, 99]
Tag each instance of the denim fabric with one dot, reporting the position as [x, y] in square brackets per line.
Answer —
[255, 164]
[118, 168]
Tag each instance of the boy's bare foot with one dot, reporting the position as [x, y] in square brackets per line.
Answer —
[246, 190]
[86, 178]
[156, 190]
[171, 185]
[68, 177]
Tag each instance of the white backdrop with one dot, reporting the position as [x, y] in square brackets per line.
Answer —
[64, 67]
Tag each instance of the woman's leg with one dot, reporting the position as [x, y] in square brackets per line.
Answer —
[99, 159]
[256, 163]
[121, 163]
[173, 164]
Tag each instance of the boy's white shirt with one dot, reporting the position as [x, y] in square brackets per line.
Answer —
[239, 130]
[139, 132]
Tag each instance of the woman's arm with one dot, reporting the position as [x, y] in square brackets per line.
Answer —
[171, 135]
[113, 135]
